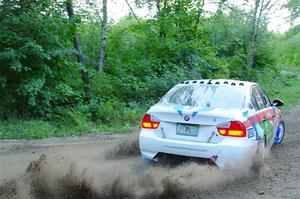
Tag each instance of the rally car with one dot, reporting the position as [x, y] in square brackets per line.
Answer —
[224, 121]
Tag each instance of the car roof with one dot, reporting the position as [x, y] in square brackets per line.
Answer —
[220, 82]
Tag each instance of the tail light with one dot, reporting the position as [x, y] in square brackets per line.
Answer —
[233, 129]
[150, 122]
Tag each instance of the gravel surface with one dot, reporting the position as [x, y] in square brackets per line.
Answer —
[109, 166]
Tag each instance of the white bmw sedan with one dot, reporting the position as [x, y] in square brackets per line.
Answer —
[224, 121]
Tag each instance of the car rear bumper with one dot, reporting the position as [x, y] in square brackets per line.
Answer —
[231, 152]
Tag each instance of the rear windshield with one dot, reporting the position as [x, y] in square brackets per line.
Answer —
[209, 96]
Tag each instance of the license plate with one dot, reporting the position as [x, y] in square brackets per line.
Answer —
[187, 129]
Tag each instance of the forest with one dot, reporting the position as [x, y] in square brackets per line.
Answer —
[67, 68]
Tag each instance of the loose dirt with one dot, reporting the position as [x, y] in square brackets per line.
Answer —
[109, 166]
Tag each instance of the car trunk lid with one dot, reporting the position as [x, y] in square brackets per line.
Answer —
[191, 123]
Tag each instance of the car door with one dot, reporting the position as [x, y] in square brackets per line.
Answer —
[270, 116]
[264, 115]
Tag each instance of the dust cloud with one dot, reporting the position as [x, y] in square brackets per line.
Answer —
[120, 174]
[126, 147]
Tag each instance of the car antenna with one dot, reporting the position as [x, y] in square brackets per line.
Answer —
[209, 82]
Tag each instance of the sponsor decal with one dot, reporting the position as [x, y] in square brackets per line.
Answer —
[259, 117]
[187, 149]
[259, 132]
[251, 132]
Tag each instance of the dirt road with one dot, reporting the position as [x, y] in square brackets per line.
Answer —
[108, 166]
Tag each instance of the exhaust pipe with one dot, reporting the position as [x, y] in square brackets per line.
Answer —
[213, 159]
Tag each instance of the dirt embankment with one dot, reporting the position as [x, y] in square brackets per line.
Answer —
[109, 166]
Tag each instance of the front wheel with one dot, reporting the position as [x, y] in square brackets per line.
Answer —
[280, 132]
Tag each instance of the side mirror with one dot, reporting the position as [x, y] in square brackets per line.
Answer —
[277, 103]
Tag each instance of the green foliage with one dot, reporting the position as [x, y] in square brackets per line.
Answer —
[229, 35]
[288, 48]
[294, 7]
[40, 80]
[114, 112]
[34, 44]
[90, 34]
[284, 85]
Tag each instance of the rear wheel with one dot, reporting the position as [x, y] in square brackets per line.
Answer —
[280, 132]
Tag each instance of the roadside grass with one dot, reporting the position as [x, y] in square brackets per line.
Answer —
[284, 86]
[38, 129]
[73, 122]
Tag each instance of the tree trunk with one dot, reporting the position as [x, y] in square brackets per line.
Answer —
[253, 35]
[103, 37]
[132, 12]
[257, 16]
[84, 73]
[200, 5]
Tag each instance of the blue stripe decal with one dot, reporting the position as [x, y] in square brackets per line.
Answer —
[179, 109]
[201, 109]
[205, 109]
[179, 112]
[194, 113]
[245, 114]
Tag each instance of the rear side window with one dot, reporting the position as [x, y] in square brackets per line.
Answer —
[265, 97]
[258, 98]
[209, 96]
[254, 103]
